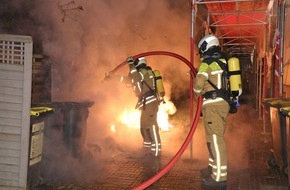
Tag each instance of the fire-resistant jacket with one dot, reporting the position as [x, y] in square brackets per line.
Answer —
[212, 72]
[143, 85]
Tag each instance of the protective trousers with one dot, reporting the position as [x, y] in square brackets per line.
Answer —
[215, 117]
[149, 128]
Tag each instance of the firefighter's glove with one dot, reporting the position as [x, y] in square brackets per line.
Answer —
[196, 95]
[130, 62]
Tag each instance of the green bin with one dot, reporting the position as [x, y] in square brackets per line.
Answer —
[69, 123]
[38, 123]
[279, 158]
[64, 138]
[286, 112]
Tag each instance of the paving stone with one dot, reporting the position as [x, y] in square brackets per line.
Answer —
[128, 171]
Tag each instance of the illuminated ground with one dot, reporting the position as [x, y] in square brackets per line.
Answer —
[249, 147]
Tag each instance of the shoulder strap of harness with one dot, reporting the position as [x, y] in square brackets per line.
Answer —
[209, 60]
[144, 82]
[143, 95]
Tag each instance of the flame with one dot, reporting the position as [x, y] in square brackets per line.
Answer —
[131, 117]
[164, 111]
[113, 128]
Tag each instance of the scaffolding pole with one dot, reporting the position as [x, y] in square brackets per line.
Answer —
[192, 62]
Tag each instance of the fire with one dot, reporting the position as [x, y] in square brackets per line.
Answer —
[113, 128]
[165, 110]
[131, 117]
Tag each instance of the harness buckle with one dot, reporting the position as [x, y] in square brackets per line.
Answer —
[214, 95]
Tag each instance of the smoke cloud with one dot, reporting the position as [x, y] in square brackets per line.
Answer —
[84, 39]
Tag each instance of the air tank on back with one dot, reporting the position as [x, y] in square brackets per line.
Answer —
[235, 76]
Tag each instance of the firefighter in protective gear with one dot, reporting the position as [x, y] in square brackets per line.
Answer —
[214, 110]
[141, 77]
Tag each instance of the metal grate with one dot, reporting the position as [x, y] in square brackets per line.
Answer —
[12, 52]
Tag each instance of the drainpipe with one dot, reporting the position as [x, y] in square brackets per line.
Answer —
[260, 86]
[280, 28]
[267, 38]
[192, 62]
[281, 7]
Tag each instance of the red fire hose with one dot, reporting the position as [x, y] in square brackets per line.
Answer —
[194, 123]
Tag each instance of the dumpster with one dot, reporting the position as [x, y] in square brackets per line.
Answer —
[64, 138]
[286, 112]
[38, 123]
[279, 157]
[69, 122]
[74, 126]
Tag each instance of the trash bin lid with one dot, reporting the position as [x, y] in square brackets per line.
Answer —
[277, 102]
[36, 111]
[285, 111]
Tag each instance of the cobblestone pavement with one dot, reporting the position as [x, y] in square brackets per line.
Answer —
[249, 145]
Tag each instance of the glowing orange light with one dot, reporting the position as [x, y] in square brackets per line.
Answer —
[113, 128]
[165, 110]
[131, 118]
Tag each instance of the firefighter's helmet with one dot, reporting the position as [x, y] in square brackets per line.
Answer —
[208, 43]
[139, 62]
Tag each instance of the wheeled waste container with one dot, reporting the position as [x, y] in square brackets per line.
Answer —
[286, 112]
[75, 115]
[64, 138]
[38, 122]
[279, 157]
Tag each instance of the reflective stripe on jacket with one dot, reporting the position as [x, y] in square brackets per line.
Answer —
[212, 72]
[144, 92]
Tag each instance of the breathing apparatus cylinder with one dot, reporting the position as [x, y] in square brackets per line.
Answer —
[235, 76]
[159, 83]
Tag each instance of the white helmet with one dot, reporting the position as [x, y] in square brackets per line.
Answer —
[140, 61]
[208, 42]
